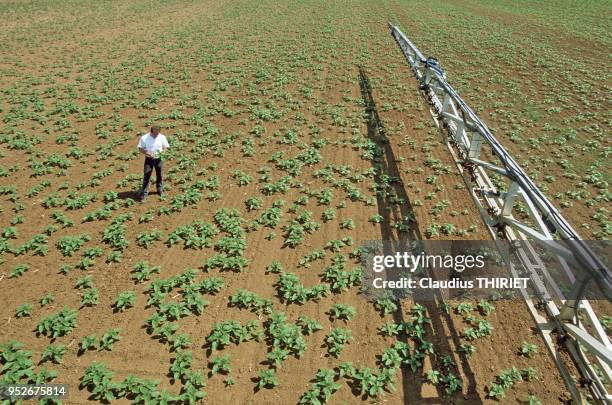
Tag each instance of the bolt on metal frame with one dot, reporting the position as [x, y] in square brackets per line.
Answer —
[561, 327]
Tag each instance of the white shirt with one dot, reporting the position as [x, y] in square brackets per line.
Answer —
[153, 145]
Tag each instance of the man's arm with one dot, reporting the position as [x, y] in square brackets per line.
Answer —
[142, 149]
[144, 152]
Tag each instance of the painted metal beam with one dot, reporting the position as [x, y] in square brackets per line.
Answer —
[467, 135]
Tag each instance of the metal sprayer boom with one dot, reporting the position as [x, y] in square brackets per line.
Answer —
[583, 337]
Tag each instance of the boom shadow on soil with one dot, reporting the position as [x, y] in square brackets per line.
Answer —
[386, 164]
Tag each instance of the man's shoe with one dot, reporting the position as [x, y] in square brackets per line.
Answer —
[142, 198]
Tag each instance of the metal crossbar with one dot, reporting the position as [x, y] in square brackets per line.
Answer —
[569, 322]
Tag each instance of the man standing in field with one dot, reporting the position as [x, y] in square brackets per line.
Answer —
[150, 145]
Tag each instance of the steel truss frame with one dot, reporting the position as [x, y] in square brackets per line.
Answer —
[569, 322]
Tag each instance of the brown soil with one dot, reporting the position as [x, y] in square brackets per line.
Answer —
[243, 38]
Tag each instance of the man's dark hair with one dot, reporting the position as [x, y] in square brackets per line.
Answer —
[155, 128]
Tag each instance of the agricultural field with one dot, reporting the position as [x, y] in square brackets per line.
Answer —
[296, 132]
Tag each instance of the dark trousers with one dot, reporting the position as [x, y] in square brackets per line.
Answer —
[149, 165]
